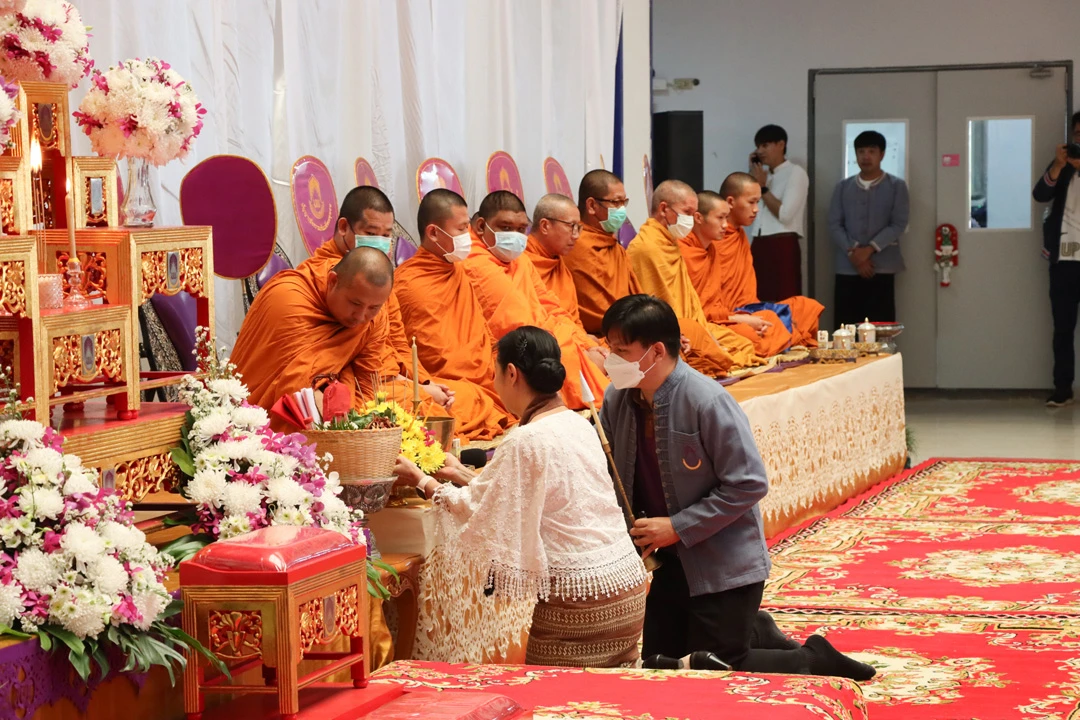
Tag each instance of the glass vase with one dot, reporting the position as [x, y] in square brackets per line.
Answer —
[139, 208]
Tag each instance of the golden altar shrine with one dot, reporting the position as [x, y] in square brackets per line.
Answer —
[78, 366]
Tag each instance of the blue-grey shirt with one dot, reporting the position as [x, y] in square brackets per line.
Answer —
[711, 473]
[876, 216]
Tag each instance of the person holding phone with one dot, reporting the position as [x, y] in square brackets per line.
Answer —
[1061, 246]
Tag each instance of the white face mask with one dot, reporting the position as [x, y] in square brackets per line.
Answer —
[625, 374]
[508, 245]
[682, 227]
[462, 246]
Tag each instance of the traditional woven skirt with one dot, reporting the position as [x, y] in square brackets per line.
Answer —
[588, 633]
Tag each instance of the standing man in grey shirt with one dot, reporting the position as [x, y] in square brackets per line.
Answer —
[692, 473]
[868, 214]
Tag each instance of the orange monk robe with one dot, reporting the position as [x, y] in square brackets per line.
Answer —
[659, 266]
[439, 308]
[512, 294]
[725, 275]
[289, 338]
[602, 275]
[556, 276]
[471, 404]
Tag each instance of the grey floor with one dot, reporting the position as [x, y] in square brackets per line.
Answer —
[1005, 426]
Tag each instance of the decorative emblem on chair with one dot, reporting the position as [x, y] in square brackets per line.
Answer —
[436, 173]
[314, 201]
[555, 180]
[502, 174]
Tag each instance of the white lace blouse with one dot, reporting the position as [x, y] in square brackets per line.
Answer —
[542, 519]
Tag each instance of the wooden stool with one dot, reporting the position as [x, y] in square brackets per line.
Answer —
[403, 593]
[265, 598]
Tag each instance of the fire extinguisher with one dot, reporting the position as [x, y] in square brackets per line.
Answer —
[946, 251]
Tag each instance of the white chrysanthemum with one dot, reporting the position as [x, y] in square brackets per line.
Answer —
[62, 605]
[79, 482]
[286, 492]
[11, 604]
[108, 575]
[237, 449]
[291, 516]
[13, 531]
[333, 482]
[37, 570]
[334, 506]
[207, 488]
[46, 461]
[57, 35]
[41, 503]
[124, 538]
[83, 543]
[25, 431]
[250, 418]
[150, 605]
[144, 580]
[241, 498]
[229, 389]
[233, 525]
[212, 425]
[92, 611]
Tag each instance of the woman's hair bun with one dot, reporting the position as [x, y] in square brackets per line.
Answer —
[547, 376]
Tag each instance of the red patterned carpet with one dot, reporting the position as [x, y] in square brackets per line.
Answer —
[959, 581]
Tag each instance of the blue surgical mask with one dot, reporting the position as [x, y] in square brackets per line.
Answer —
[615, 219]
[508, 245]
[373, 241]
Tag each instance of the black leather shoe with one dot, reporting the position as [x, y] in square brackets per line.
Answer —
[661, 662]
[705, 660]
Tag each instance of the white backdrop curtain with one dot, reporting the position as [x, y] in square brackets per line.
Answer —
[395, 81]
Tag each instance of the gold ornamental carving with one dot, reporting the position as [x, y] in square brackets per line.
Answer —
[87, 357]
[323, 619]
[7, 207]
[235, 634]
[348, 611]
[13, 287]
[170, 271]
[135, 479]
[95, 276]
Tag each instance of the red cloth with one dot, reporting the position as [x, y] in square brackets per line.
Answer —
[778, 266]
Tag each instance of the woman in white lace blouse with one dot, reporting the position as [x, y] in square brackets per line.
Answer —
[540, 523]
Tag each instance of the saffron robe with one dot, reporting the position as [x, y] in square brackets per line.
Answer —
[602, 275]
[725, 280]
[656, 260]
[512, 294]
[440, 309]
[556, 276]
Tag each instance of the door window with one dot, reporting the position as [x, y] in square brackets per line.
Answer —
[999, 173]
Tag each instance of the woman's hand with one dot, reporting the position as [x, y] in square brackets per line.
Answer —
[407, 472]
[453, 471]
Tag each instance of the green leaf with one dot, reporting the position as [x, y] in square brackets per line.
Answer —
[102, 661]
[174, 608]
[184, 548]
[45, 641]
[183, 461]
[181, 517]
[197, 646]
[5, 630]
[67, 637]
[383, 565]
[81, 662]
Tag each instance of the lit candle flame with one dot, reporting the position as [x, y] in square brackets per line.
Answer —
[67, 185]
[35, 155]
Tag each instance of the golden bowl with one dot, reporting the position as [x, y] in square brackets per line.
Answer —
[443, 430]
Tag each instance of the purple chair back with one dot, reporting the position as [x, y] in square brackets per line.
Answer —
[178, 316]
[232, 196]
[315, 203]
[404, 251]
[626, 233]
[272, 268]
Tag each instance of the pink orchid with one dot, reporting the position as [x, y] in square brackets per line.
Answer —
[127, 611]
[51, 542]
[101, 83]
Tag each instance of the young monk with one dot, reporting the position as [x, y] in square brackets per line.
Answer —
[658, 264]
[512, 294]
[439, 306]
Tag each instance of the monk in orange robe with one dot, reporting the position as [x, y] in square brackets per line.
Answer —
[556, 226]
[654, 255]
[512, 294]
[439, 306]
[367, 220]
[732, 267]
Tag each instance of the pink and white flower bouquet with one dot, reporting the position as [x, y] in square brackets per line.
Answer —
[74, 571]
[9, 114]
[141, 109]
[43, 40]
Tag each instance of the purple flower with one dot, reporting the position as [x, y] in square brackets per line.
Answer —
[101, 83]
[52, 541]
[129, 125]
[127, 611]
[36, 604]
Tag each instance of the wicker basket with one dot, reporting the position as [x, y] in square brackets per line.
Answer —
[359, 454]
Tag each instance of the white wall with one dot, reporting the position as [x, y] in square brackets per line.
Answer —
[752, 58]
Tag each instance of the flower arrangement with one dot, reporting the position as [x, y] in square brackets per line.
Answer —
[418, 444]
[141, 109]
[74, 571]
[9, 114]
[240, 474]
[43, 40]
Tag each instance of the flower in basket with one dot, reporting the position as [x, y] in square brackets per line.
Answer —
[9, 114]
[141, 109]
[43, 40]
[74, 571]
[417, 442]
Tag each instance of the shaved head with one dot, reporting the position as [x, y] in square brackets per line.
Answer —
[707, 200]
[595, 185]
[553, 207]
[498, 201]
[358, 286]
[501, 211]
[671, 192]
[736, 184]
[712, 218]
[556, 224]
[365, 197]
[365, 211]
[437, 207]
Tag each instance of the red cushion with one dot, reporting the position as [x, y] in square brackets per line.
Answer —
[277, 555]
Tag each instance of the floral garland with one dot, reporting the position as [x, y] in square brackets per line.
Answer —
[74, 571]
[44, 40]
[9, 114]
[141, 109]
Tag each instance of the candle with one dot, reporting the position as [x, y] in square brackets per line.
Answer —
[71, 220]
[35, 155]
[415, 376]
[35, 188]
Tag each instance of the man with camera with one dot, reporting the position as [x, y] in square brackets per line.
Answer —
[1061, 245]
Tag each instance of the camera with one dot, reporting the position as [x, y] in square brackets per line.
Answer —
[1072, 150]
